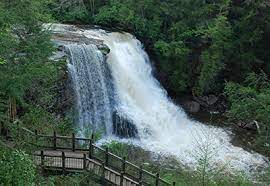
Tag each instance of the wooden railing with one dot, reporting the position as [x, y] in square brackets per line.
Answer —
[93, 153]
[67, 163]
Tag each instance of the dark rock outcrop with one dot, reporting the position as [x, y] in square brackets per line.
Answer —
[212, 103]
[123, 127]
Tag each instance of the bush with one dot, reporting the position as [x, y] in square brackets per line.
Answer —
[16, 168]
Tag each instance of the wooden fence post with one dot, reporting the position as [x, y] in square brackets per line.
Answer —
[157, 179]
[36, 136]
[122, 179]
[174, 183]
[107, 156]
[54, 140]
[103, 174]
[73, 142]
[140, 175]
[84, 162]
[42, 160]
[90, 149]
[64, 162]
[124, 164]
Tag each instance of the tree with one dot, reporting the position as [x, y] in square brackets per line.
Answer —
[24, 49]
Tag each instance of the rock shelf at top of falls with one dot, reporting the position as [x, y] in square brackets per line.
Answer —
[69, 34]
[162, 127]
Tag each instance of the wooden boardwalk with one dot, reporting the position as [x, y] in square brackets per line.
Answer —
[72, 154]
[68, 161]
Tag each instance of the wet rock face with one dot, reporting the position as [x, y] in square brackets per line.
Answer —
[66, 95]
[123, 128]
[61, 39]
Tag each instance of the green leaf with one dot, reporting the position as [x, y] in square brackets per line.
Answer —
[2, 62]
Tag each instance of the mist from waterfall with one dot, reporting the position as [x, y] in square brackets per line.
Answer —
[163, 127]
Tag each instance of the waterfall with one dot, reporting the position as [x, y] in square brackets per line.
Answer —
[92, 85]
[161, 126]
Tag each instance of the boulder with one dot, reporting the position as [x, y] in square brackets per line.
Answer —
[211, 99]
[253, 125]
[192, 106]
[212, 103]
[207, 101]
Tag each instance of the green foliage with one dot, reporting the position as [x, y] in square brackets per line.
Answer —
[251, 29]
[185, 178]
[2, 61]
[28, 77]
[16, 168]
[37, 118]
[73, 14]
[24, 46]
[120, 14]
[220, 33]
[69, 180]
[250, 102]
[120, 149]
[174, 55]
[115, 14]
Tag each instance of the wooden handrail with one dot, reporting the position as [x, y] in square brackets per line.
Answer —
[99, 148]
[72, 146]
[29, 131]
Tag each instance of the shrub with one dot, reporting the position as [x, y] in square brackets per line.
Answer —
[16, 168]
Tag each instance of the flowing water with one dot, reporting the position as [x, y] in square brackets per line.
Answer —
[162, 126]
[90, 76]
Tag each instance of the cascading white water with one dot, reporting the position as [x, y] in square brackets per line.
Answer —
[162, 126]
[90, 75]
